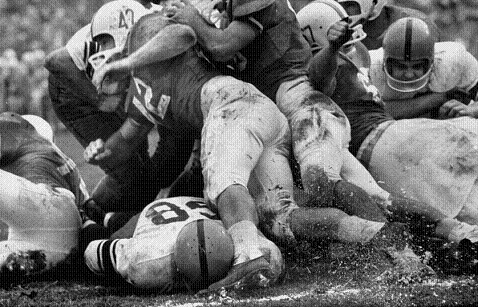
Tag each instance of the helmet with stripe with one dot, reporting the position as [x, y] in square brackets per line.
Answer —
[203, 253]
[408, 39]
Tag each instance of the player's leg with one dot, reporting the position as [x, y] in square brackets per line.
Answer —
[233, 140]
[426, 220]
[331, 224]
[353, 171]
[319, 131]
[429, 160]
[469, 212]
[38, 215]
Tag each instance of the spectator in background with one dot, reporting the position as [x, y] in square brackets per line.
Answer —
[15, 83]
[38, 103]
[458, 21]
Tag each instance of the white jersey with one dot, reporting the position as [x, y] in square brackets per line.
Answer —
[146, 260]
[453, 68]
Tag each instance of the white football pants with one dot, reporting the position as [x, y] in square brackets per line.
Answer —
[40, 218]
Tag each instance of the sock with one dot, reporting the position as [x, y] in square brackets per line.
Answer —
[100, 257]
[246, 246]
[115, 220]
[355, 229]
[91, 231]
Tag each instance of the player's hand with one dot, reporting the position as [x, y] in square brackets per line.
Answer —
[339, 33]
[105, 78]
[452, 108]
[96, 152]
[183, 12]
[470, 110]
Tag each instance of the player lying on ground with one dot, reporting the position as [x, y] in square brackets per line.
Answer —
[144, 251]
[402, 157]
[40, 191]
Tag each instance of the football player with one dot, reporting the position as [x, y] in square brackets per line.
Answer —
[154, 258]
[39, 199]
[377, 15]
[245, 138]
[132, 185]
[419, 77]
[434, 162]
[263, 44]
[137, 255]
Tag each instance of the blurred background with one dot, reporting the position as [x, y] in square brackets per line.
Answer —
[30, 29]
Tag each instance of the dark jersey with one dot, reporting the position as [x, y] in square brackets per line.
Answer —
[279, 53]
[26, 154]
[360, 101]
[168, 93]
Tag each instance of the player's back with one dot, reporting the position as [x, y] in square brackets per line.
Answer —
[169, 91]
[279, 53]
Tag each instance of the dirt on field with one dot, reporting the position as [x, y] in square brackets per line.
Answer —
[383, 272]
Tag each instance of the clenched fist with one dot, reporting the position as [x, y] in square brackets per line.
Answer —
[96, 152]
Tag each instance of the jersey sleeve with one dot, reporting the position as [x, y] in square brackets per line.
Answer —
[241, 8]
[454, 68]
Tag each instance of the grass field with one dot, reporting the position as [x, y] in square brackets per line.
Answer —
[317, 274]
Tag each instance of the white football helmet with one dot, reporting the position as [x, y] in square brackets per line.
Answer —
[318, 16]
[361, 10]
[115, 19]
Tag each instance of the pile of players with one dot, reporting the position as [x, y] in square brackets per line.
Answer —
[241, 94]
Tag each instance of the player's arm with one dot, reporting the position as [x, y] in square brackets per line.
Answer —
[69, 80]
[322, 70]
[455, 108]
[120, 146]
[324, 64]
[223, 44]
[414, 107]
[169, 42]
